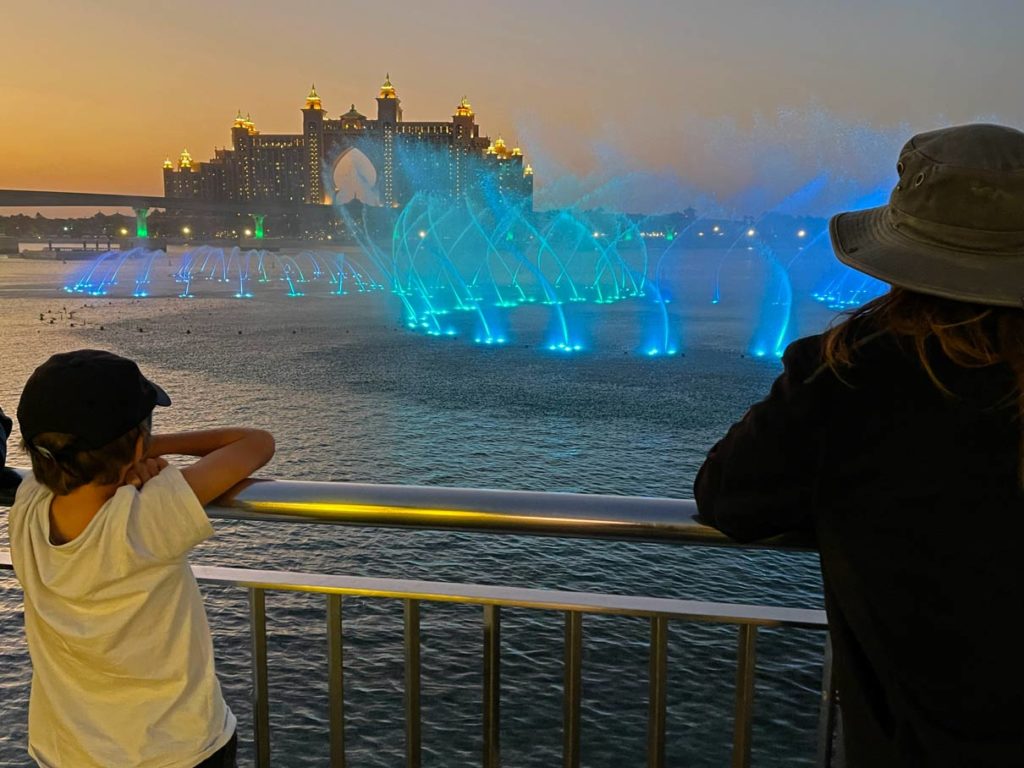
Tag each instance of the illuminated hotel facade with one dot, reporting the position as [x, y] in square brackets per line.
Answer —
[440, 158]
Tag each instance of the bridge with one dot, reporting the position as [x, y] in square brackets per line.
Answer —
[142, 204]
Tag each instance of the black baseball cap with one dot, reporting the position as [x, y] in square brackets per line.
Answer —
[96, 396]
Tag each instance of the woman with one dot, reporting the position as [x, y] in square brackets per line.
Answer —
[895, 438]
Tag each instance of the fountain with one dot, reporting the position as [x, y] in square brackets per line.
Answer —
[461, 270]
[485, 269]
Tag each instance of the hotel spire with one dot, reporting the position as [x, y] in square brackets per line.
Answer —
[387, 90]
[313, 99]
[465, 109]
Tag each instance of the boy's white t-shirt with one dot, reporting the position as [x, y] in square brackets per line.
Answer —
[122, 660]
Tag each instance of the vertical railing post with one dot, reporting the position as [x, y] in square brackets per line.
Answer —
[827, 712]
[657, 689]
[336, 680]
[745, 665]
[573, 689]
[492, 686]
[260, 688]
[413, 745]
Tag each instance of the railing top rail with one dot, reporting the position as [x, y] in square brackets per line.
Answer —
[474, 510]
[517, 597]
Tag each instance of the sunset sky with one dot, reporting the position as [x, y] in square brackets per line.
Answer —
[651, 105]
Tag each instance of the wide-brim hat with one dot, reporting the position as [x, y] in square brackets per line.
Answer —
[954, 225]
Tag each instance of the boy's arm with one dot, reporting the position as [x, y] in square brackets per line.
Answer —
[227, 456]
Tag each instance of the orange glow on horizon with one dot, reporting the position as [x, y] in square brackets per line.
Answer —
[98, 94]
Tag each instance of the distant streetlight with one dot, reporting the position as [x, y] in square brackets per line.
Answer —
[802, 233]
[423, 234]
[715, 228]
[186, 231]
[124, 231]
[248, 233]
[751, 233]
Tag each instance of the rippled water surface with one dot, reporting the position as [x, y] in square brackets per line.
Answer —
[349, 395]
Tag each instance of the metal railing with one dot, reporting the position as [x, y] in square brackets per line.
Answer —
[623, 518]
[558, 514]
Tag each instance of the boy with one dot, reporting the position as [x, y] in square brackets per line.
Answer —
[121, 652]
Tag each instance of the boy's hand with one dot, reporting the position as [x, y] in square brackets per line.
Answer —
[228, 455]
[143, 471]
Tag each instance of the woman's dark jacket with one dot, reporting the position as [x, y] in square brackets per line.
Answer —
[5, 429]
[914, 499]
[8, 478]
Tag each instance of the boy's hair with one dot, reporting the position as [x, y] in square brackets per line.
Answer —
[62, 468]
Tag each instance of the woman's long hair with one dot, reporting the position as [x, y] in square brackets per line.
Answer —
[970, 335]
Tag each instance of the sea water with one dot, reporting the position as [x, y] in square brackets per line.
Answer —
[351, 395]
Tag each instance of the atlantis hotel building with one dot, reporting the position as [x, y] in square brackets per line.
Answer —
[440, 158]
